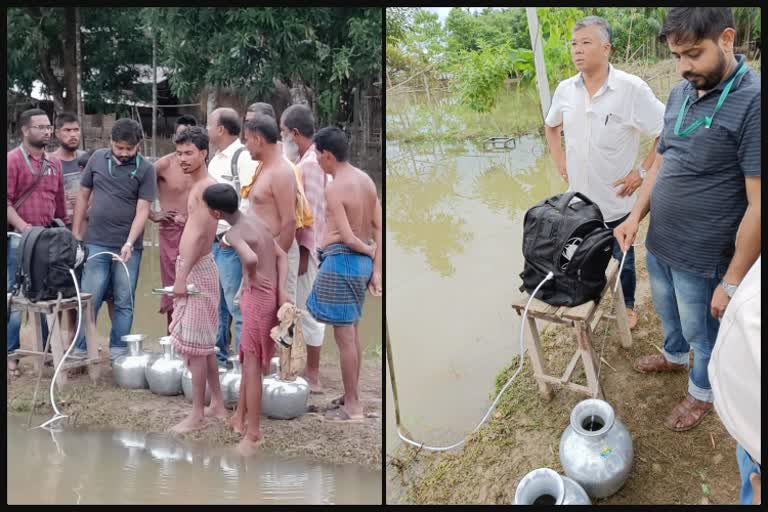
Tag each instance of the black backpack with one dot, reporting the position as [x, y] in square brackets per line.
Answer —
[43, 260]
[572, 242]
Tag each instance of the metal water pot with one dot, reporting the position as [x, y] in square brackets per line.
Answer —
[129, 370]
[164, 375]
[186, 385]
[596, 448]
[546, 487]
[230, 382]
[284, 399]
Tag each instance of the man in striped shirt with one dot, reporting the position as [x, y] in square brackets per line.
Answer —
[297, 127]
[704, 233]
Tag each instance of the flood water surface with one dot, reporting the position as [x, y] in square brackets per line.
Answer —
[454, 255]
[102, 467]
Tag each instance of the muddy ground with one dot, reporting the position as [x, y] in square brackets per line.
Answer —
[103, 405]
[523, 433]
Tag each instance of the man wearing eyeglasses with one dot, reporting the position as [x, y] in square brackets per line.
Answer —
[703, 194]
[35, 197]
[123, 185]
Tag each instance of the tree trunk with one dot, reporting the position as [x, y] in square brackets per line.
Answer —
[68, 59]
[79, 76]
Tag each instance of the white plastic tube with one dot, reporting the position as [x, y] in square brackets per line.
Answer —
[58, 415]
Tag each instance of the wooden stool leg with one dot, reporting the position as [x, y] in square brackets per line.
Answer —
[588, 358]
[91, 339]
[38, 343]
[57, 349]
[621, 317]
[537, 360]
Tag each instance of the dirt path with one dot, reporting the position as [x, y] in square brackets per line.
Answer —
[104, 405]
[524, 432]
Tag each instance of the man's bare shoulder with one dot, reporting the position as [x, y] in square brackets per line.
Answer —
[164, 162]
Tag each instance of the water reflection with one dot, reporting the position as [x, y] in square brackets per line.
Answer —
[454, 254]
[123, 467]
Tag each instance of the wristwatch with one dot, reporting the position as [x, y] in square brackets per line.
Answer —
[642, 171]
[729, 289]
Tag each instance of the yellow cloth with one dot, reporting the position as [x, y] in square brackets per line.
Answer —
[304, 215]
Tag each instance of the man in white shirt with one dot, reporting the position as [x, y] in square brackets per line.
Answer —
[602, 112]
[224, 131]
[734, 372]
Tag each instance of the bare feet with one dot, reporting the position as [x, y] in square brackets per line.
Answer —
[217, 411]
[237, 422]
[342, 415]
[189, 424]
[314, 384]
[247, 446]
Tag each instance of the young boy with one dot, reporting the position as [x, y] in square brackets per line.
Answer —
[265, 266]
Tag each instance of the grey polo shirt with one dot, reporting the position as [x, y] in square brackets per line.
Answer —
[699, 197]
[115, 197]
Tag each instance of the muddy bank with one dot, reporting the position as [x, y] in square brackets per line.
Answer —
[103, 405]
[698, 466]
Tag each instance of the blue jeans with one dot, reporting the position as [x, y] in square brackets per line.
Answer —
[100, 274]
[628, 277]
[14, 323]
[746, 468]
[230, 275]
[682, 301]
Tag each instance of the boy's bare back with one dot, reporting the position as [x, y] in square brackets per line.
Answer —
[357, 193]
[257, 235]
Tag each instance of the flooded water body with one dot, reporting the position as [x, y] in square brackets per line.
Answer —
[454, 255]
[103, 467]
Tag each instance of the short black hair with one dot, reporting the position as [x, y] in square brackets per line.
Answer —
[82, 160]
[222, 197]
[265, 126]
[193, 135]
[127, 130]
[334, 140]
[263, 109]
[692, 24]
[27, 115]
[229, 120]
[300, 117]
[64, 118]
[186, 120]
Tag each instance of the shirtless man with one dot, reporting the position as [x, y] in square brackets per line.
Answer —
[272, 192]
[265, 266]
[196, 317]
[348, 265]
[173, 186]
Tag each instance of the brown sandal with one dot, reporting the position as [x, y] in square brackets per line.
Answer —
[656, 363]
[690, 411]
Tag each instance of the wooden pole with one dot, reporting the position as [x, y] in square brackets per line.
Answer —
[538, 59]
[154, 94]
[79, 72]
[392, 376]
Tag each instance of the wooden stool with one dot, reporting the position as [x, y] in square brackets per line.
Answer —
[584, 320]
[56, 335]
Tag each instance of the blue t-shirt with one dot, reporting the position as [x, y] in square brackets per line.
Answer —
[115, 197]
[699, 197]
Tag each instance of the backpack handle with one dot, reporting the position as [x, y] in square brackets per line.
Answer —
[566, 198]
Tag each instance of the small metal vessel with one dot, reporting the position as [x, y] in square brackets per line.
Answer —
[164, 375]
[129, 370]
[284, 399]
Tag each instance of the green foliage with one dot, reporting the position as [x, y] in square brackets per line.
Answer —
[112, 44]
[330, 50]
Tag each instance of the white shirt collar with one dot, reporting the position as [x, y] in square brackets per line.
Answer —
[229, 151]
[610, 82]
